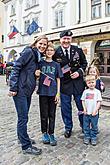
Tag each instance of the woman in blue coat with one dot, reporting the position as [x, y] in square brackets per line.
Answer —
[22, 86]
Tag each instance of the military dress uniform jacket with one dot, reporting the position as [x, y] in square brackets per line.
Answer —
[77, 62]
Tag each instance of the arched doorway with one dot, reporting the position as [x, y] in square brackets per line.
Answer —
[102, 50]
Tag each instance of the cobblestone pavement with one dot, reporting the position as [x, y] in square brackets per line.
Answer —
[70, 151]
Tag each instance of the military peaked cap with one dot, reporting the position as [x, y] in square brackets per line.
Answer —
[66, 33]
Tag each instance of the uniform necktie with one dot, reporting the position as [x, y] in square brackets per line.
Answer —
[66, 53]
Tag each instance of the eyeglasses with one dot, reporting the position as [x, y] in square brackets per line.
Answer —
[51, 50]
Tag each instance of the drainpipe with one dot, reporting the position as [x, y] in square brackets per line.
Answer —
[79, 14]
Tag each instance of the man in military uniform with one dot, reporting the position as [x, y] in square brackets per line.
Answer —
[73, 63]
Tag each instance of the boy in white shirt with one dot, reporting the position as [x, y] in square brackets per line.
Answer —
[91, 101]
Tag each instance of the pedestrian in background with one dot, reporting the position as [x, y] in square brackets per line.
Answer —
[91, 100]
[22, 86]
[73, 63]
[4, 68]
[49, 93]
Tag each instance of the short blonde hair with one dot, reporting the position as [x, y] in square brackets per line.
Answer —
[90, 78]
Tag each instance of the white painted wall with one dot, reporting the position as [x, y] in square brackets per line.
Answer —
[46, 16]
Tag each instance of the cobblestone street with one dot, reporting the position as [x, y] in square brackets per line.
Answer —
[70, 151]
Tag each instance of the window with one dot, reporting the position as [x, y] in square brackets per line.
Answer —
[34, 2]
[27, 4]
[59, 15]
[31, 3]
[11, 28]
[96, 9]
[12, 9]
[35, 19]
[26, 25]
[107, 7]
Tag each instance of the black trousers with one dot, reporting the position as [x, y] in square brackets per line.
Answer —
[47, 113]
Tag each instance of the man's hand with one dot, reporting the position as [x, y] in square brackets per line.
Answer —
[94, 113]
[12, 93]
[74, 75]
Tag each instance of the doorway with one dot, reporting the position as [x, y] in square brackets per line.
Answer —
[103, 54]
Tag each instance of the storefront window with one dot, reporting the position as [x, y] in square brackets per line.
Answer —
[101, 59]
[108, 59]
[101, 69]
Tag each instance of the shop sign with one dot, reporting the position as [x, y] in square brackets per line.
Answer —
[92, 38]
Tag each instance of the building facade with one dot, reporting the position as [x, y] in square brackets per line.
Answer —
[1, 30]
[88, 20]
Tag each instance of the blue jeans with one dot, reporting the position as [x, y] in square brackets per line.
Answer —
[90, 126]
[66, 110]
[22, 104]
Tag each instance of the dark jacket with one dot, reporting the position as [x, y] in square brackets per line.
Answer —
[77, 62]
[23, 80]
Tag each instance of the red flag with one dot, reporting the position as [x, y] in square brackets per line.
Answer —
[13, 32]
[66, 69]
[47, 81]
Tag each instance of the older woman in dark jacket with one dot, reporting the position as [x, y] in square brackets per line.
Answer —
[22, 86]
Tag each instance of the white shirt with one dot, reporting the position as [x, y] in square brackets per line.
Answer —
[91, 97]
[65, 51]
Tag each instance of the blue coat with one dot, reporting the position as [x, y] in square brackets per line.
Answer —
[23, 80]
[77, 62]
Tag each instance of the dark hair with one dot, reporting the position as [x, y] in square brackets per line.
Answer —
[38, 39]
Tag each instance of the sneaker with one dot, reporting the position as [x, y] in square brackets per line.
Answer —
[32, 141]
[32, 150]
[93, 142]
[86, 141]
[45, 138]
[53, 141]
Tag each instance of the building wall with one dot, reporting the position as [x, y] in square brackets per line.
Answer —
[1, 28]
[77, 17]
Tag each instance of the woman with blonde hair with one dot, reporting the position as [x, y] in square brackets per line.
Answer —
[22, 86]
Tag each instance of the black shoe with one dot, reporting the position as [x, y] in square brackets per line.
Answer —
[32, 150]
[32, 141]
[67, 134]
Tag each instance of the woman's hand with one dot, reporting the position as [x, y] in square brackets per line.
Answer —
[11, 93]
[37, 73]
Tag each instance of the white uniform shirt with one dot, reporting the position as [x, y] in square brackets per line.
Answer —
[65, 52]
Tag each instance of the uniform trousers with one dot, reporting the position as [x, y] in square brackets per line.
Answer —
[47, 113]
[66, 110]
